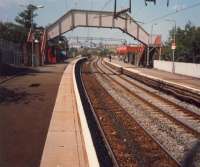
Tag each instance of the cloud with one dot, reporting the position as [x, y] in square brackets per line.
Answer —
[8, 3]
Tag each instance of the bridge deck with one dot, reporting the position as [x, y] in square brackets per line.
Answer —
[64, 144]
[98, 19]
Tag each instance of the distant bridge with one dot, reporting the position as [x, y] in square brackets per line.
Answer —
[98, 19]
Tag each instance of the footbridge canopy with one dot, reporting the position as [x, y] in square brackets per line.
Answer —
[98, 19]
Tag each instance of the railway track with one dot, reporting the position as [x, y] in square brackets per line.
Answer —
[187, 118]
[103, 150]
[132, 145]
[182, 93]
[190, 133]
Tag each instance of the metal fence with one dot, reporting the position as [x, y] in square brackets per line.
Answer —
[11, 53]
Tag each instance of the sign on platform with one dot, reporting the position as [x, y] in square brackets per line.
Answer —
[173, 46]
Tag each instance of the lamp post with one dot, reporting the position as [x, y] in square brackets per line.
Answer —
[173, 44]
[148, 49]
[32, 9]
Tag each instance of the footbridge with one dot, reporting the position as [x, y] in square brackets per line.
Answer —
[98, 19]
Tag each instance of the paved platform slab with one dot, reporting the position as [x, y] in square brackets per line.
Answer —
[26, 106]
[175, 78]
[64, 145]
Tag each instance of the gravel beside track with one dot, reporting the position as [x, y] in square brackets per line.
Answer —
[131, 144]
[189, 118]
[175, 139]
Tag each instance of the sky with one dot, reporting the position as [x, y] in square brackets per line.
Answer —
[55, 8]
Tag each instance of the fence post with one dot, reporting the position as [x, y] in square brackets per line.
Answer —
[10, 52]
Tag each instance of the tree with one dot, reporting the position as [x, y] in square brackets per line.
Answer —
[12, 32]
[18, 32]
[26, 17]
[187, 42]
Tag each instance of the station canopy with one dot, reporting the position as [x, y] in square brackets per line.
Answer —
[126, 49]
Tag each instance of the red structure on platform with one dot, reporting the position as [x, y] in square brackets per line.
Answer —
[124, 50]
[51, 56]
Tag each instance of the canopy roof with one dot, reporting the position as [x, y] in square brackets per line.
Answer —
[130, 49]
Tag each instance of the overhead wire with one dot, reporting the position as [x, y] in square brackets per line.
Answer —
[173, 13]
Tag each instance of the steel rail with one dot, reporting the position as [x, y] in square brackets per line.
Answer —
[153, 138]
[158, 110]
[110, 152]
[181, 93]
[184, 110]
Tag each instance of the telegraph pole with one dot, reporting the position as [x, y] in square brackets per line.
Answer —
[32, 9]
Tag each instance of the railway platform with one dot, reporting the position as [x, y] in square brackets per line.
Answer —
[67, 141]
[174, 79]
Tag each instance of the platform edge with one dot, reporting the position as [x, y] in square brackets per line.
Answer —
[89, 145]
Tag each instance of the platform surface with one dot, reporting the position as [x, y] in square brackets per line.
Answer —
[64, 145]
[26, 106]
[175, 78]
